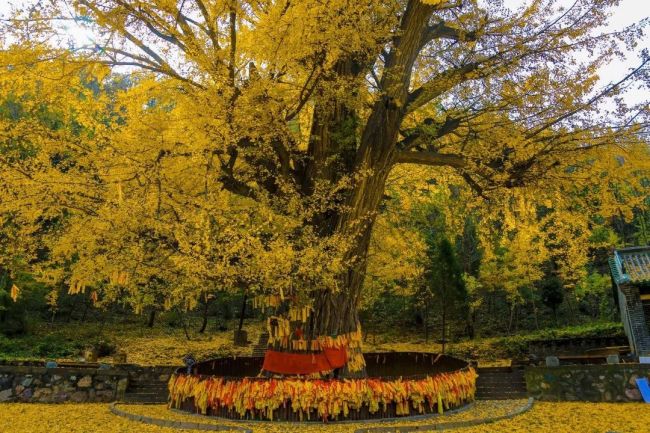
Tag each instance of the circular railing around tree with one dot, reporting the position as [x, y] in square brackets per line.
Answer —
[397, 384]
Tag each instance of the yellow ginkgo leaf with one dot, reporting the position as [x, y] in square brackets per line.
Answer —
[15, 292]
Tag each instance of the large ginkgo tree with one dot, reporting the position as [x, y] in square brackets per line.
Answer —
[300, 110]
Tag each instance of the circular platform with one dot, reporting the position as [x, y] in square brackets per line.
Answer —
[398, 384]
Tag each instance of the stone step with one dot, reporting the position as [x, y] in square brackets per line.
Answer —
[499, 382]
[148, 384]
[502, 377]
[502, 396]
[260, 348]
[506, 379]
[500, 391]
[144, 398]
[146, 393]
[496, 370]
[146, 389]
[521, 386]
[504, 388]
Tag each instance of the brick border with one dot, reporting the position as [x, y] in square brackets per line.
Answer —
[173, 424]
[449, 425]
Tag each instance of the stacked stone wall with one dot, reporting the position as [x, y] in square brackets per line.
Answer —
[596, 383]
[33, 382]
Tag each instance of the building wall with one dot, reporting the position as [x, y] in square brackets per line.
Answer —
[634, 319]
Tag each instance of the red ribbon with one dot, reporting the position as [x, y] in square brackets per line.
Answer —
[304, 363]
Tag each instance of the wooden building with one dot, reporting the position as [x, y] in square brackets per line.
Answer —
[630, 270]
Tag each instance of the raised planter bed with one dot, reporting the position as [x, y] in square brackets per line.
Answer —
[398, 384]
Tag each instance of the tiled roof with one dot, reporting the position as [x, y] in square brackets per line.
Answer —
[631, 265]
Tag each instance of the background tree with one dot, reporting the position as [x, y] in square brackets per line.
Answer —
[442, 290]
[445, 290]
[552, 294]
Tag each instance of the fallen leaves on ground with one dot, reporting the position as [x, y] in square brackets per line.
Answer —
[543, 418]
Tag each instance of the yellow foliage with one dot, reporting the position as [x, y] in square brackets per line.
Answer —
[14, 293]
[543, 418]
[185, 175]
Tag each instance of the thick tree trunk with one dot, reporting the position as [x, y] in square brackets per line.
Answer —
[333, 151]
[336, 313]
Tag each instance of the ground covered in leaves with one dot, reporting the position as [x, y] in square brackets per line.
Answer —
[543, 418]
[166, 345]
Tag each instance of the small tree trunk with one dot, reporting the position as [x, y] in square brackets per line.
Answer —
[570, 298]
[532, 301]
[471, 319]
[72, 309]
[152, 317]
[444, 325]
[512, 316]
[204, 324]
[243, 311]
[85, 313]
[516, 318]
[426, 323]
[182, 316]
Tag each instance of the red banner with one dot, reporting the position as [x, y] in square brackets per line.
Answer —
[304, 363]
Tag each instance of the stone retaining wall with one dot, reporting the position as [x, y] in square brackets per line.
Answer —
[596, 383]
[34, 383]
[572, 346]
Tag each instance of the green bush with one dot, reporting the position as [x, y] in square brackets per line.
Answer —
[55, 347]
[516, 346]
[104, 347]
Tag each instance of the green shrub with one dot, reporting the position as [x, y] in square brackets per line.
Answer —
[516, 346]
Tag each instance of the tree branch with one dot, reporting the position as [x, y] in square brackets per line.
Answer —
[414, 137]
[441, 30]
[209, 24]
[431, 158]
[587, 104]
[438, 85]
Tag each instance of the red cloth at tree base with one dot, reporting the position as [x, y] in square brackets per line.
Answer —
[304, 363]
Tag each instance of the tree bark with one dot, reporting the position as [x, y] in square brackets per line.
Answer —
[444, 324]
[204, 324]
[426, 322]
[243, 311]
[336, 313]
[152, 318]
